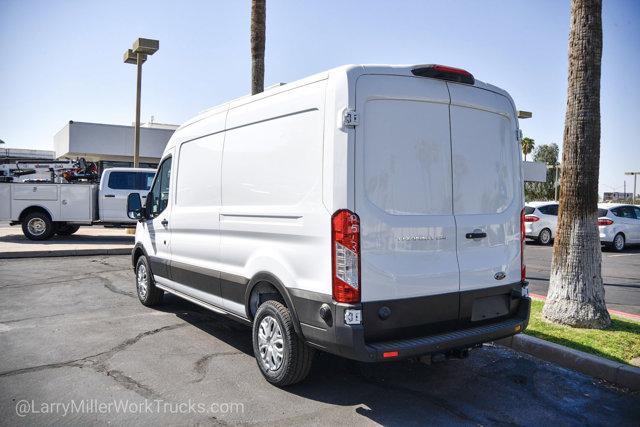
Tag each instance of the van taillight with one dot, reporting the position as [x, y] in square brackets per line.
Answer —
[523, 268]
[604, 221]
[345, 256]
[443, 72]
[531, 218]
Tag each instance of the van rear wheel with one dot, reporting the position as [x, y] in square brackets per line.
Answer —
[283, 358]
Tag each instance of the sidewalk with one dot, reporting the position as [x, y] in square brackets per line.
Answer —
[95, 240]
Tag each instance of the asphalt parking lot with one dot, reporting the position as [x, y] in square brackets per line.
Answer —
[73, 333]
[620, 274]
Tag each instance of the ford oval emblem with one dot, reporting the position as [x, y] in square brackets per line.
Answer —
[499, 275]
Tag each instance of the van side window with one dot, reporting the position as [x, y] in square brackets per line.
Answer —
[159, 195]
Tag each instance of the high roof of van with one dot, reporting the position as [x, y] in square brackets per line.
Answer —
[351, 72]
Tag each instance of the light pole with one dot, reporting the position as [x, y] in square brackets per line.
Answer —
[138, 55]
[635, 175]
[556, 184]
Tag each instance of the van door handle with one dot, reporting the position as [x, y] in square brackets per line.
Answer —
[164, 222]
[475, 235]
[109, 195]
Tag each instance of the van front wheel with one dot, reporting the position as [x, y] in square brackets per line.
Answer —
[148, 293]
[283, 358]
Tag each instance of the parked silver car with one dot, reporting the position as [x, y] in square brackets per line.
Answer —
[540, 221]
[619, 225]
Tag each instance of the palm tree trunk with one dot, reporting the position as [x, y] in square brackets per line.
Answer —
[258, 25]
[576, 293]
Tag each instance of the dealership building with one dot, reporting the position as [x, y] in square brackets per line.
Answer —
[112, 145]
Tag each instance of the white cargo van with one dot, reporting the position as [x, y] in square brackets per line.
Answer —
[373, 212]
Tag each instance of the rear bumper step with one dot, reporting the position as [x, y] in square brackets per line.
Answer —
[350, 340]
[451, 340]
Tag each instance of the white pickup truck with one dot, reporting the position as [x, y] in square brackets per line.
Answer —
[45, 209]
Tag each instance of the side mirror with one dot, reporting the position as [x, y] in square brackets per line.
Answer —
[134, 207]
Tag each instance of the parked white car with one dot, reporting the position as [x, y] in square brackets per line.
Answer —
[373, 212]
[619, 225]
[541, 221]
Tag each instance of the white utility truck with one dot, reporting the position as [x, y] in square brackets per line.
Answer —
[45, 209]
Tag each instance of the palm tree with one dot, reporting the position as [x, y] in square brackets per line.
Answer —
[527, 146]
[576, 293]
[258, 25]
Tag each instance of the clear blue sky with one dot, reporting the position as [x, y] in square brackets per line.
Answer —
[62, 60]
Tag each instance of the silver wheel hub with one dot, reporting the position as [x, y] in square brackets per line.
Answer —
[270, 344]
[36, 226]
[142, 281]
[545, 236]
[619, 242]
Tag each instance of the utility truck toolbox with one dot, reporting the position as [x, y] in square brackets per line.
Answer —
[374, 212]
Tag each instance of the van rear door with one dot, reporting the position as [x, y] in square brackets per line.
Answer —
[487, 194]
[404, 197]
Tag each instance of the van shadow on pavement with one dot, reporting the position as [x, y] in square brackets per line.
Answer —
[493, 386]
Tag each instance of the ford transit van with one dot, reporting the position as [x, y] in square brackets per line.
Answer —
[373, 212]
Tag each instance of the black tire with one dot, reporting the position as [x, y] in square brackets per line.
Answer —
[149, 295]
[618, 243]
[297, 357]
[66, 229]
[37, 226]
[544, 238]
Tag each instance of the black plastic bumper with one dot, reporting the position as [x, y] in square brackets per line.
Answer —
[349, 340]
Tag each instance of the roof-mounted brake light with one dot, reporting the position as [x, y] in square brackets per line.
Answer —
[444, 73]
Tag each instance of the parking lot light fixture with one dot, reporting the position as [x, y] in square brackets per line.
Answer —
[138, 55]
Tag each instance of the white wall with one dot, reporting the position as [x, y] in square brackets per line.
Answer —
[106, 141]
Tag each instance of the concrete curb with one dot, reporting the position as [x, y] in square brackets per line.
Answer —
[616, 373]
[66, 252]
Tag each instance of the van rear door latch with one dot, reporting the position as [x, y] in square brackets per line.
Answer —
[349, 118]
